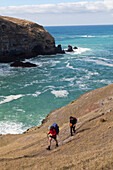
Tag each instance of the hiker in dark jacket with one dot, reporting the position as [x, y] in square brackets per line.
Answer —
[73, 122]
[53, 134]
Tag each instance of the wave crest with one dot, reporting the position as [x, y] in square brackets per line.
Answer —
[60, 93]
[10, 98]
[8, 127]
[80, 50]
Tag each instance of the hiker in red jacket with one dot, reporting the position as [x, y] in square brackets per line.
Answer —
[53, 134]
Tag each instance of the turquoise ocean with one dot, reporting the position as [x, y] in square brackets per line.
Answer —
[27, 95]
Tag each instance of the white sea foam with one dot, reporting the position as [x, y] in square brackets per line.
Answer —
[20, 110]
[68, 66]
[103, 81]
[80, 50]
[6, 70]
[105, 36]
[48, 88]
[60, 93]
[30, 84]
[87, 36]
[10, 98]
[99, 62]
[103, 63]
[81, 85]
[91, 73]
[69, 79]
[106, 59]
[8, 127]
[77, 36]
[97, 36]
[37, 93]
[55, 62]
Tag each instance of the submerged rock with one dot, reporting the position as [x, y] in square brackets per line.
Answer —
[20, 39]
[21, 64]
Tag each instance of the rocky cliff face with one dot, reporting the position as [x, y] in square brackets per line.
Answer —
[20, 39]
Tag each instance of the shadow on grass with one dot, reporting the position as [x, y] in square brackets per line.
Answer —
[83, 130]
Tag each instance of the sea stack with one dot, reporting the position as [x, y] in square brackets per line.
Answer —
[21, 39]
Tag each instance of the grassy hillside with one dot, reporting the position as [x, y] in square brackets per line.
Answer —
[90, 148]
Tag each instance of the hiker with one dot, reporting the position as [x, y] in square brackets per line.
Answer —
[53, 135]
[73, 122]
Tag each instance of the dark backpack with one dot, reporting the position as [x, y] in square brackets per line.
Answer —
[75, 119]
[56, 128]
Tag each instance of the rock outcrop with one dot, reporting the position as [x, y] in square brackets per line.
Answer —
[20, 39]
[75, 48]
[21, 64]
[70, 48]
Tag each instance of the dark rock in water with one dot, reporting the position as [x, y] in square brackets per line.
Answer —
[21, 64]
[59, 49]
[70, 49]
[20, 39]
[75, 48]
[44, 121]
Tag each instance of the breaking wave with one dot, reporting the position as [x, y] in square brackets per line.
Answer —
[80, 50]
[60, 93]
[8, 127]
[11, 98]
[69, 66]
[98, 62]
[36, 94]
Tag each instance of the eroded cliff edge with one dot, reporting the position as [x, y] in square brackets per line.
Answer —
[20, 39]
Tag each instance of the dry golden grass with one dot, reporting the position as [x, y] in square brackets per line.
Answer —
[90, 148]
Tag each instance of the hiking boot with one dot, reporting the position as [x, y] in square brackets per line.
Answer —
[48, 148]
[57, 145]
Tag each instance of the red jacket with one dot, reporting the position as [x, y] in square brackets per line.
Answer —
[52, 132]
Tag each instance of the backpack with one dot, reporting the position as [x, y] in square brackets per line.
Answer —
[56, 128]
[75, 119]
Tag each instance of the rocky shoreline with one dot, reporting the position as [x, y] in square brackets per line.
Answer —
[21, 39]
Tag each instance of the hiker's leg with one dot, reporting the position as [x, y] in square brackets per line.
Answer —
[74, 129]
[56, 142]
[71, 130]
[50, 139]
[49, 143]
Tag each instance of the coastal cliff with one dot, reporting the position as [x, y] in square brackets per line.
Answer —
[90, 148]
[20, 39]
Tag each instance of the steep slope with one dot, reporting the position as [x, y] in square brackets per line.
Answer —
[90, 148]
[21, 39]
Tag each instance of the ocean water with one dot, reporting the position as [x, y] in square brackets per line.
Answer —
[27, 95]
